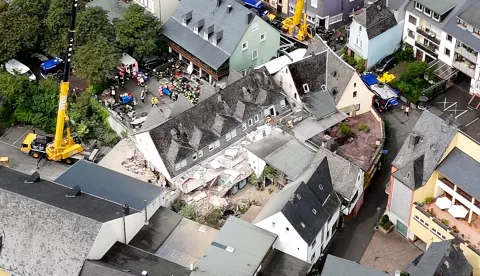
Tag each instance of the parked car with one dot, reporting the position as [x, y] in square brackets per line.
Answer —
[40, 58]
[151, 63]
[17, 68]
[388, 62]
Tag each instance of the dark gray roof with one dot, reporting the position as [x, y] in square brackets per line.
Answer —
[442, 258]
[450, 23]
[335, 266]
[53, 194]
[110, 185]
[98, 268]
[471, 15]
[314, 76]
[439, 7]
[129, 258]
[339, 74]
[316, 46]
[376, 18]
[233, 24]
[115, 9]
[250, 246]
[220, 113]
[278, 263]
[433, 138]
[320, 104]
[462, 170]
[159, 227]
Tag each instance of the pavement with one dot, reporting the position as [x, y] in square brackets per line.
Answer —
[352, 241]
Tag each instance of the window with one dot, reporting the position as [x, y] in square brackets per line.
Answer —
[283, 103]
[361, 42]
[273, 224]
[324, 87]
[427, 11]
[310, 19]
[263, 37]
[244, 126]
[228, 136]
[255, 26]
[412, 19]
[292, 9]
[438, 234]
[320, 186]
[295, 96]
[355, 197]
[302, 224]
[328, 234]
[287, 229]
[211, 147]
[461, 23]
[411, 34]
[314, 3]
[150, 6]
[194, 157]
[354, 84]
[335, 19]
[256, 118]
[436, 16]
[250, 122]
[354, 94]
[418, 6]
[314, 211]
[217, 144]
[306, 89]
[184, 162]
[244, 45]
[234, 133]
[299, 196]
[254, 54]
[178, 166]
[314, 242]
[357, 41]
[447, 52]
[421, 221]
[359, 28]
[313, 257]
[200, 153]
[449, 38]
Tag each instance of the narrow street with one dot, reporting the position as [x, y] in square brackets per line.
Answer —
[352, 242]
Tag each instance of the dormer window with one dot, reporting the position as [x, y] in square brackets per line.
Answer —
[436, 16]
[306, 89]
[427, 11]
[205, 35]
[324, 88]
[195, 29]
[418, 6]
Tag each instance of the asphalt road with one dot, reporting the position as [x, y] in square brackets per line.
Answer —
[352, 241]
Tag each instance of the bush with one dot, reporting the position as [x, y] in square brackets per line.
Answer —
[360, 65]
[413, 80]
[3, 6]
[188, 212]
[445, 221]
[213, 218]
[177, 205]
[346, 130]
[387, 225]
[404, 54]
[384, 219]
[429, 200]
[364, 128]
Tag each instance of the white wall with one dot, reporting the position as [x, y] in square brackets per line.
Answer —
[113, 231]
[409, 26]
[167, 8]
[285, 80]
[331, 224]
[358, 188]
[445, 44]
[256, 163]
[362, 36]
[145, 145]
[289, 241]
[401, 201]
[363, 98]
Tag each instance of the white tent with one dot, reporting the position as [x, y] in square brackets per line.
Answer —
[443, 203]
[458, 211]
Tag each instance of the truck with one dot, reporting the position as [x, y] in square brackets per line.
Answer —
[384, 97]
[256, 6]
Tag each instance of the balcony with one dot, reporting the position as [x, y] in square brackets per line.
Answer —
[464, 66]
[429, 48]
[466, 52]
[429, 35]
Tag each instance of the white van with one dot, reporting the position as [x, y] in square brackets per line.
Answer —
[17, 68]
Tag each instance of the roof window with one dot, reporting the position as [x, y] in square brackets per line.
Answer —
[306, 89]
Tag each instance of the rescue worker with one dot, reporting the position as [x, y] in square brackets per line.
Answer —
[142, 96]
[154, 101]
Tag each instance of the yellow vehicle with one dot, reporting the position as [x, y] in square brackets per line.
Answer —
[60, 147]
[297, 27]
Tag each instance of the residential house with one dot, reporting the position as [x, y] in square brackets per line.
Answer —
[370, 30]
[219, 36]
[329, 14]
[442, 258]
[446, 34]
[289, 156]
[162, 9]
[304, 214]
[240, 249]
[329, 81]
[438, 163]
[335, 266]
[212, 125]
[50, 229]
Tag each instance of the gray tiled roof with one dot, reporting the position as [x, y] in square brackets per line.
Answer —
[41, 237]
[376, 18]
[442, 258]
[335, 266]
[110, 185]
[233, 24]
[434, 136]
[462, 170]
[471, 16]
[250, 244]
[197, 123]
[439, 7]
[98, 268]
[320, 104]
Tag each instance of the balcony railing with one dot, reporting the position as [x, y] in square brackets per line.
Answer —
[430, 49]
[433, 37]
[469, 54]
[464, 67]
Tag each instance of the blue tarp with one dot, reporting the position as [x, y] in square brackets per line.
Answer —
[127, 99]
[49, 64]
[393, 102]
[166, 91]
[369, 79]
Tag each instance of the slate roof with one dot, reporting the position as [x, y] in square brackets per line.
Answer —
[298, 200]
[98, 268]
[250, 245]
[159, 227]
[233, 25]
[416, 164]
[335, 266]
[110, 185]
[311, 71]
[320, 104]
[442, 258]
[203, 124]
[471, 16]
[132, 259]
[43, 232]
[462, 170]
[279, 263]
[376, 18]
[339, 73]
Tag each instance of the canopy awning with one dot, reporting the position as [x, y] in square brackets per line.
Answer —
[458, 211]
[442, 70]
[443, 203]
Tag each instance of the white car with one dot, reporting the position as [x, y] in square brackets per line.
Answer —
[17, 68]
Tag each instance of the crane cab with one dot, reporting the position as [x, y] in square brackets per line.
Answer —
[35, 145]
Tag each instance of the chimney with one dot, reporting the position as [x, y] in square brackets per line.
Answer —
[250, 17]
[413, 140]
[219, 2]
[126, 209]
[229, 8]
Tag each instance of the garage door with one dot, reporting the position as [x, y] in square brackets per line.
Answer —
[401, 228]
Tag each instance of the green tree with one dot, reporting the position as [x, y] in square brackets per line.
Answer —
[91, 23]
[188, 212]
[3, 6]
[97, 60]
[137, 32]
[56, 27]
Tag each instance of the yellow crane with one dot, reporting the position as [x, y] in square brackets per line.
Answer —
[296, 26]
[60, 147]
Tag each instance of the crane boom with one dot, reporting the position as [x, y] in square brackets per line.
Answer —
[297, 16]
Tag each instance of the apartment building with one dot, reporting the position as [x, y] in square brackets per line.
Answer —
[446, 34]
[433, 192]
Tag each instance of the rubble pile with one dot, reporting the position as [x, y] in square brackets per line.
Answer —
[137, 164]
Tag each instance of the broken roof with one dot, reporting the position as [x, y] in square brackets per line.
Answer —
[204, 14]
[111, 185]
[203, 124]
[45, 233]
[422, 150]
[376, 19]
[238, 249]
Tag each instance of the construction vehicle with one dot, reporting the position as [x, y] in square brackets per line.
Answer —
[59, 147]
[296, 26]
